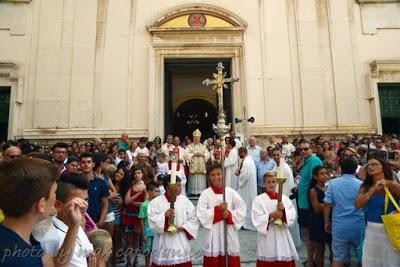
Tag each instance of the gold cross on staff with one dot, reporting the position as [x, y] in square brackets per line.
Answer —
[219, 82]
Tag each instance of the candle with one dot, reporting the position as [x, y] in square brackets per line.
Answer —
[173, 172]
[281, 170]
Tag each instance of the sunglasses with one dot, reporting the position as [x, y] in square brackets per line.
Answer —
[13, 156]
[304, 149]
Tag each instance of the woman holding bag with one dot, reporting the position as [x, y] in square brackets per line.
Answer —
[377, 248]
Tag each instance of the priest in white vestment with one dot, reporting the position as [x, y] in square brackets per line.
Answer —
[172, 249]
[212, 213]
[275, 246]
[231, 165]
[247, 184]
[197, 156]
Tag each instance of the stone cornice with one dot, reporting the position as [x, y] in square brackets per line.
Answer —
[9, 71]
[379, 67]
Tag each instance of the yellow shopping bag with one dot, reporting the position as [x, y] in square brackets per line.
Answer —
[392, 221]
[1, 216]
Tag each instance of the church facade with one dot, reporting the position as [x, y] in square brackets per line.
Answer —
[73, 69]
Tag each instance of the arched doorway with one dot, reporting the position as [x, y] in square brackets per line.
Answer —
[188, 104]
[193, 114]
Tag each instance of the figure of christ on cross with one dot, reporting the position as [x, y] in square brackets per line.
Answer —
[219, 83]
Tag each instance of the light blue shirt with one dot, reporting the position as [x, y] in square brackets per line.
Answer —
[254, 152]
[262, 167]
[341, 194]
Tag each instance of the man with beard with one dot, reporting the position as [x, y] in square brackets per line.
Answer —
[59, 153]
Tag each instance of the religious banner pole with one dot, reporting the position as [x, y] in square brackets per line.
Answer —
[221, 129]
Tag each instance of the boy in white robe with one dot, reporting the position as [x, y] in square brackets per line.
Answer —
[275, 246]
[172, 249]
[212, 213]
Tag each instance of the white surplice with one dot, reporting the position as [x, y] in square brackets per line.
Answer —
[230, 165]
[274, 242]
[170, 249]
[214, 236]
[287, 191]
[247, 188]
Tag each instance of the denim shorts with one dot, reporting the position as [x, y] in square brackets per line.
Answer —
[341, 248]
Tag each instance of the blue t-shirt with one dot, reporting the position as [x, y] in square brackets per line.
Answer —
[262, 168]
[341, 194]
[305, 179]
[98, 189]
[15, 252]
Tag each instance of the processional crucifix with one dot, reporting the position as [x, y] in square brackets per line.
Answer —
[221, 128]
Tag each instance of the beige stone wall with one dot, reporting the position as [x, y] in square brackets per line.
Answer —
[92, 68]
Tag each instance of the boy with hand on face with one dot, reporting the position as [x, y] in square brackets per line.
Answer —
[66, 238]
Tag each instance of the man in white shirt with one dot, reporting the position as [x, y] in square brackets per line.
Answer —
[287, 148]
[253, 149]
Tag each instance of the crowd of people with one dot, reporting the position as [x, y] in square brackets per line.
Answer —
[100, 203]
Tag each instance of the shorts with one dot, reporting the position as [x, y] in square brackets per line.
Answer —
[303, 217]
[110, 217]
[341, 248]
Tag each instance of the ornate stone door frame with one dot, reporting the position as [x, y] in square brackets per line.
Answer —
[9, 77]
[382, 71]
[222, 39]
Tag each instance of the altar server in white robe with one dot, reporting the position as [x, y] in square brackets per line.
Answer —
[287, 191]
[247, 184]
[275, 246]
[231, 165]
[172, 249]
[212, 213]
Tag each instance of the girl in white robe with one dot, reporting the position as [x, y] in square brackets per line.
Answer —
[172, 249]
[275, 247]
[210, 214]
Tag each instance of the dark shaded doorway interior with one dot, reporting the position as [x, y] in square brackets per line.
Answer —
[389, 100]
[188, 104]
[5, 92]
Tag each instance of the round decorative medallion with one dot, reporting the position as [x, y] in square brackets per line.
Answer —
[197, 20]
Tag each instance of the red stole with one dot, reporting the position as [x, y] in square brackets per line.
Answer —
[272, 195]
[217, 190]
